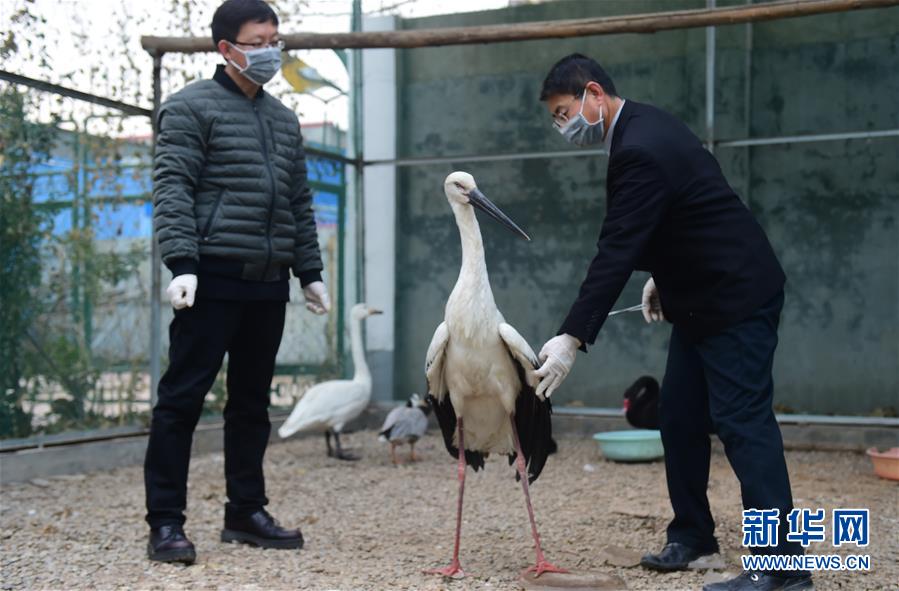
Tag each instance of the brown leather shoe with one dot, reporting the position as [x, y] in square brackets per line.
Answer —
[261, 529]
[169, 544]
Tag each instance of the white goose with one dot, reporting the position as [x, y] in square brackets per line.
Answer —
[330, 405]
[480, 371]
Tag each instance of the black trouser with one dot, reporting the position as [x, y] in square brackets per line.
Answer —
[723, 384]
[250, 332]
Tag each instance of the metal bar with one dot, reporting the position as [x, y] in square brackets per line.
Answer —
[837, 420]
[76, 224]
[155, 263]
[747, 112]
[331, 156]
[819, 137]
[784, 419]
[105, 200]
[358, 171]
[340, 276]
[104, 434]
[852, 135]
[212, 423]
[84, 185]
[75, 94]
[640, 23]
[324, 188]
[484, 157]
[294, 369]
[99, 167]
[710, 83]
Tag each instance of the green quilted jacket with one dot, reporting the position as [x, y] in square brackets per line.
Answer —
[229, 181]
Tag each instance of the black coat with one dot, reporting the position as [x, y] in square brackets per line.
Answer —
[671, 212]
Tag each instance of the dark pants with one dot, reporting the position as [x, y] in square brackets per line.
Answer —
[250, 332]
[723, 384]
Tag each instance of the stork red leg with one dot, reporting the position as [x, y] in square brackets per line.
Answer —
[454, 570]
[542, 565]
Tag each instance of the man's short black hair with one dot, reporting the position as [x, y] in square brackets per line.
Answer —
[572, 73]
[233, 14]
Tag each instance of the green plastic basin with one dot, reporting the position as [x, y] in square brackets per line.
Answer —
[630, 446]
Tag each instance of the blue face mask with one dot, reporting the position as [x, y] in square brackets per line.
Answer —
[262, 63]
[581, 132]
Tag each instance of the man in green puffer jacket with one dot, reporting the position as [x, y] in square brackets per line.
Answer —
[233, 216]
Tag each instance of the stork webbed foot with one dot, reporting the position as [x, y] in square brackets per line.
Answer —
[544, 566]
[453, 571]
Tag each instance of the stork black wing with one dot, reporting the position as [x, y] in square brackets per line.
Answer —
[446, 418]
[534, 424]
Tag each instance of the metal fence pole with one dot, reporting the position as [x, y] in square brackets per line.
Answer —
[155, 266]
[359, 168]
[710, 83]
[341, 270]
[747, 113]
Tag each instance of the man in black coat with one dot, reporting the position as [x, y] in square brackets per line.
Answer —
[715, 277]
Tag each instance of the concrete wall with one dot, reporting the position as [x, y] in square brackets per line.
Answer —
[830, 208]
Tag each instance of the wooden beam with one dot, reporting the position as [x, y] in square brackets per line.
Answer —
[640, 23]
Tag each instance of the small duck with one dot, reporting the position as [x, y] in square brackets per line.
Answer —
[406, 424]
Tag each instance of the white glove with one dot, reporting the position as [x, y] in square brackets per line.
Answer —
[652, 305]
[182, 291]
[317, 300]
[557, 356]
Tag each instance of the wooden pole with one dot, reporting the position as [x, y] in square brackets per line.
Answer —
[641, 23]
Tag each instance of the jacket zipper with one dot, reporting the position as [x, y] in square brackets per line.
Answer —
[271, 203]
[215, 208]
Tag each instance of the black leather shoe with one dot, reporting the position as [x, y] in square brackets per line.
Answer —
[169, 544]
[260, 529]
[674, 556]
[756, 581]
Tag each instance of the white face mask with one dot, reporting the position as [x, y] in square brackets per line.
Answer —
[581, 132]
[262, 63]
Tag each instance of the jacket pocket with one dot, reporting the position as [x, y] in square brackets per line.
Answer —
[215, 207]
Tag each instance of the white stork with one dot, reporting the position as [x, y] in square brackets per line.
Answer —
[328, 406]
[480, 371]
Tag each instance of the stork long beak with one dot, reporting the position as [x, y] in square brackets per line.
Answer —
[478, 199]
[374, 311]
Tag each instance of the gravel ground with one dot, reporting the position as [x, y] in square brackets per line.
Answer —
[370, 525]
